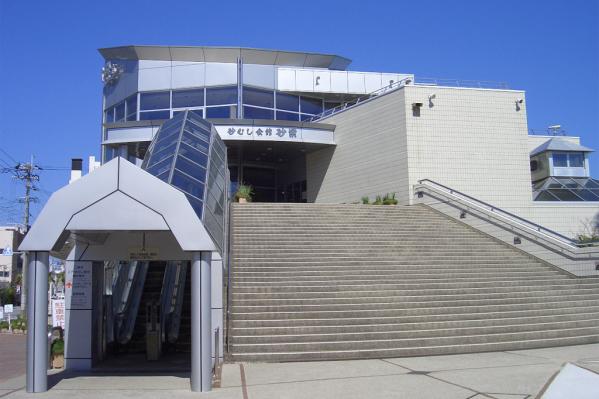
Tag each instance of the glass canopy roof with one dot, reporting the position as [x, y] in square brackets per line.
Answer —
[566, 189]
[188, 153]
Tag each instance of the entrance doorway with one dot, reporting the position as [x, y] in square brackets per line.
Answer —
[145, 321]
[276, 171]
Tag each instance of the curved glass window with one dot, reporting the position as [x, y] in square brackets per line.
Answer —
[188, 98]
[119, 112]
[221, 95]
[310, 105]
[154, 115]
[131, 104]
[155, 100]
[287, 116]
[221, 112]
[287, 102]
[257, 113]
[261, 98]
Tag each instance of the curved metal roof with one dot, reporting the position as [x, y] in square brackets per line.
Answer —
[226, 54]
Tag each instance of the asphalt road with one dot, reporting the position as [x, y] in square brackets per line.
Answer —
[12, 356]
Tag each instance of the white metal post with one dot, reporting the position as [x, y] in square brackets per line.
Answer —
[201, 322]
[37, 322]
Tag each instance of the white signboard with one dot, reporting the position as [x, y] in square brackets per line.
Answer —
[8, 309]
[141, 253]
[78, 285]
[275, 133]
[1, 313]
[58, 313]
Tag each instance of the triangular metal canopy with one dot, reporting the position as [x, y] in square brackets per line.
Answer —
[557, 144]
[117, 197]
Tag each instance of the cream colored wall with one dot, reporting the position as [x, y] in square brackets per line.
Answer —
[472, 140]
[370, 157]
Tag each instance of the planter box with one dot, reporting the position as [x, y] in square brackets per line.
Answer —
[57, 361]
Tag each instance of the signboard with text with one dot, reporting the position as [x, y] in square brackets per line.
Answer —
[58, 313]
[275, 133]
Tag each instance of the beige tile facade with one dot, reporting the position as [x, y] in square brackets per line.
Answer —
[472, 140]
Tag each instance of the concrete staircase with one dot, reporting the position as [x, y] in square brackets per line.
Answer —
[320, 282]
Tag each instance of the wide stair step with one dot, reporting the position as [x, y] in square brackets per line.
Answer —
[332, 281]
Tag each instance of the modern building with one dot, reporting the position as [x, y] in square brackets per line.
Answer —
[10, 263]
[147, 235]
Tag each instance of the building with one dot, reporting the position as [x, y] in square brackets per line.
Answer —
[146, 235]
[10, 263]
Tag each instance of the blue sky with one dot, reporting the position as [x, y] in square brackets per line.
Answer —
[50, 89]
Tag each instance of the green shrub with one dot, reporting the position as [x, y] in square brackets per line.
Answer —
[7, 295]
[3, 325]
[244, 191]
[19, 323]
[389, 199]
[378, 200]
[365, 200]
[58, 347]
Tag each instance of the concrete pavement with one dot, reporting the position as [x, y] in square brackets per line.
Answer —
[495, 375]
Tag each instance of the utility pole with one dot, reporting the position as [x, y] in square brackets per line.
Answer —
[26, 173]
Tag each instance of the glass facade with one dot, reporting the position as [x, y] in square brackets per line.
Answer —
[216, 102]
[188, 153]
[566, 189]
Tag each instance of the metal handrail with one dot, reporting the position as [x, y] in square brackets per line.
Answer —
[497, 210]
[360, 100]
[480, 84]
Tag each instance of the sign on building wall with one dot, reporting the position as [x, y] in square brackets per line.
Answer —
[78, 285]
[275, 133]
[58, 313]
[142, 253]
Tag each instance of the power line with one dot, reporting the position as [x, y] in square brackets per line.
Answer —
[8, 155]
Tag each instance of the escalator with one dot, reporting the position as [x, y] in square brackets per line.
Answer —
[148, 308]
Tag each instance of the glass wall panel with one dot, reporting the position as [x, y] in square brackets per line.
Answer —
[193, 154]
[257, 113]
[131, 104]
[287, 116]
[221, 112]
[188, 98]
[560, 159]
[154, 115]
[155, 100]
[287, 102]
[221, 95]
[261, 98]
[188, 184]
[576, 159]
[310, 105]
[191, 168]
[119, 112]
[109, 115]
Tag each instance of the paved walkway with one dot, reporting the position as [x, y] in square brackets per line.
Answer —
[12, 355]
[496, 375]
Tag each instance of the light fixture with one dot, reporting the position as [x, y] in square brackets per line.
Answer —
[519, 102]
[430, 100]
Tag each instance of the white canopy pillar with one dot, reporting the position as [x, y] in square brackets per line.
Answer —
[201, 322]
[37, 321]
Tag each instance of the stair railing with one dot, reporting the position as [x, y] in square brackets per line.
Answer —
[553, 240]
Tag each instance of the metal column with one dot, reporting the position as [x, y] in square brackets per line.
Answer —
[37, 322]
[201, 322]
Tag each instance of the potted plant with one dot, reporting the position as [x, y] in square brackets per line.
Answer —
[58, 354]
[365, 200]
[244, 193]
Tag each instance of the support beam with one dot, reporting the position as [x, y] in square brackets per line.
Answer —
[201, 322]
[37, 322]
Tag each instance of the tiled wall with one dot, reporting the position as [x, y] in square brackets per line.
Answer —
[370, 157]
[473, 140]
